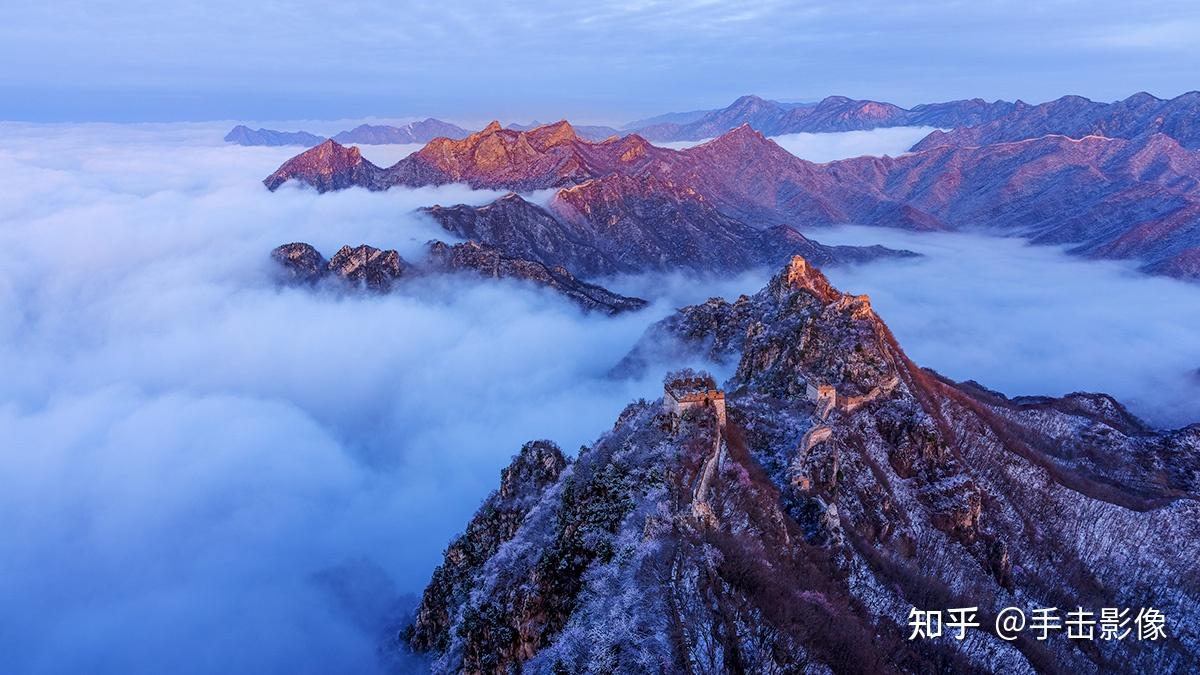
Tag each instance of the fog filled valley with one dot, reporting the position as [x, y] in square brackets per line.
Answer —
[279, 470]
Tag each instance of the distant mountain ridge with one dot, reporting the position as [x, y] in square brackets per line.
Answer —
[244, 135]
[414, 132]
[1074, 116]
[966, 122]
[364, 134]
[835, 113]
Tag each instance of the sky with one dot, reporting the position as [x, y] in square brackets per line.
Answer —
[594, 62]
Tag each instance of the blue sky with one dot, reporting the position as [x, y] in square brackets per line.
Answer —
[135, 60]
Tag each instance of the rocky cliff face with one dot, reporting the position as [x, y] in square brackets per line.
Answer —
[798, 536]
[369, 268]
[1074, 116]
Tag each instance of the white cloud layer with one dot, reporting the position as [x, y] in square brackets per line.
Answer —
[1031, 320]
[827, 147]
[198, 464]
[203, 472]
[891, 141]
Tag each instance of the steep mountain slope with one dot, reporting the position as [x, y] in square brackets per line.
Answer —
[846, 487]
[366, 267]
[1074, 116]
[619, 224]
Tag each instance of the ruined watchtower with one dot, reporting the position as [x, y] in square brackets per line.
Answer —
[824, 395]
[687, 392]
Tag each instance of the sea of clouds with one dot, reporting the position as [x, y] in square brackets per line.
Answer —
[202, 471]
[891, 141]
[1033, 320]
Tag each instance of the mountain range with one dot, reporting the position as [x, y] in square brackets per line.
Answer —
[963, 123]
[244, 135]
[364, 134]
[1076, 117]
[1136, 198]
[794, 521]
[835, 113]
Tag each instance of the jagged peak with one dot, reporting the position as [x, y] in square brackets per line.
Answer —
[330, 147]
[741, 136]
[491, 128]
[550, 135]
[743, 132]
[509, 199]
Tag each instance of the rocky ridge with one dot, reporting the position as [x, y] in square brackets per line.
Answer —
[368, 268]
[849, 486]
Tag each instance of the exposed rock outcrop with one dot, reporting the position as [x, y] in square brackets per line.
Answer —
[361, 267]
[366, 267]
